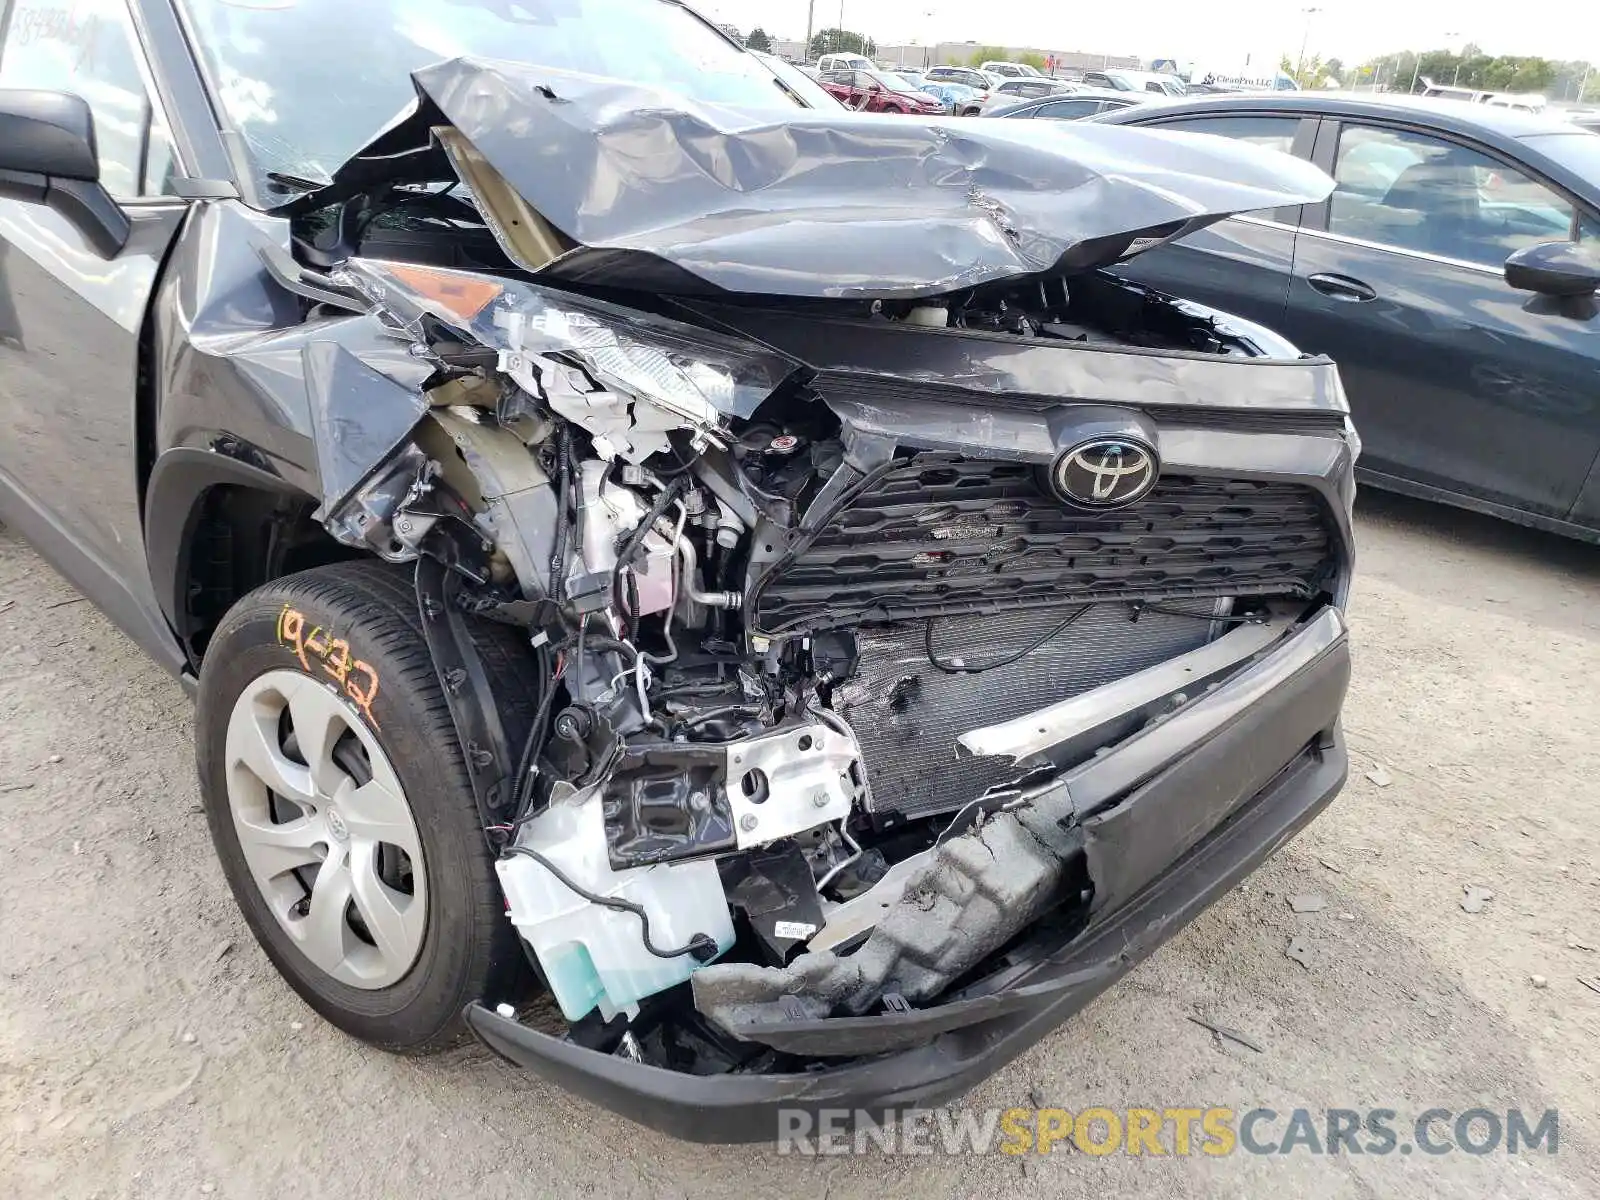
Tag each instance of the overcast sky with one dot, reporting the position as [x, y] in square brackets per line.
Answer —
[1216, 32]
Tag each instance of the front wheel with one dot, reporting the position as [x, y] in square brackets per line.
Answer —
[341, 809]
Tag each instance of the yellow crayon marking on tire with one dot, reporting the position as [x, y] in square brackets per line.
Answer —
[357, 678]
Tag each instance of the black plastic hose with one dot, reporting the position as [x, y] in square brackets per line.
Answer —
[701, 945]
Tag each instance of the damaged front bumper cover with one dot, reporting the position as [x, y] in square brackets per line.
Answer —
[1166, 823]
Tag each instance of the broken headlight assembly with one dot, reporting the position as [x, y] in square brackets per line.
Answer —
[689, 377]
[677, 775]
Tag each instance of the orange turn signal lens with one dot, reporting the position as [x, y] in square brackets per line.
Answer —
[457, 293]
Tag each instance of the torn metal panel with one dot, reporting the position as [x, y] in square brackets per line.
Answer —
[233, 344]
[358, 417]
[517, 225]
[228, 366]
[812, 202]
[511, 489]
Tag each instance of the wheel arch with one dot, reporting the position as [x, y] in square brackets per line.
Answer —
[217, 527]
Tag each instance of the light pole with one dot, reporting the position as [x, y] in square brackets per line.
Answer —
[1300, 66]
[811, 19]
[1456, 78]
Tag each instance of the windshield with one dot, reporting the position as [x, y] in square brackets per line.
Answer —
[307, 83]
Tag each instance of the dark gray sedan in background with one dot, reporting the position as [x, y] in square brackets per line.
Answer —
[1072, 102]
[1451, 275]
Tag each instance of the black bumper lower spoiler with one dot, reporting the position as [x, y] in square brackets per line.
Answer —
[1192, 831]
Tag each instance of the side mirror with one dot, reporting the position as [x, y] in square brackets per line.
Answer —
[1555, 269]
[47, 156]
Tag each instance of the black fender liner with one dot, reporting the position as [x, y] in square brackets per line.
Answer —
[179, 480]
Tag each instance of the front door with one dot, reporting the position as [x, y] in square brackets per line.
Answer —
[70, 321]
[1456, 381]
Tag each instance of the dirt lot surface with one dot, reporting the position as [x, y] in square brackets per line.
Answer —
[147, 1049]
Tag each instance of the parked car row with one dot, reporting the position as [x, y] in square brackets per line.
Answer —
[1120, 80]
[957, 98]
[879, 91]
[861, 84]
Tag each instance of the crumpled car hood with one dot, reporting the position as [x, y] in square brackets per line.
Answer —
[806, 202]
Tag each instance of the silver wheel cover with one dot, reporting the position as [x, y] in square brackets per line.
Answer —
[339, 839]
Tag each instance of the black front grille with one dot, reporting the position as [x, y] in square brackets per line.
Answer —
[939, 534]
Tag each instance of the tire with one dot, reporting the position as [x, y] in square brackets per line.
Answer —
[341, 649]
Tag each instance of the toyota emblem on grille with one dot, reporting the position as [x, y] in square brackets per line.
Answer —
[1105, 473]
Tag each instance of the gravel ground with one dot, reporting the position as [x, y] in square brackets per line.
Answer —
[147, 1049]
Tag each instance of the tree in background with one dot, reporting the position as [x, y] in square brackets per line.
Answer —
[758, 40]
[985, 54]
[1036, 61]
[841, 41]
[1312, 73]
[1472, 68]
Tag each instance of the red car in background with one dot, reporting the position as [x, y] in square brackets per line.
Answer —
[878, 91]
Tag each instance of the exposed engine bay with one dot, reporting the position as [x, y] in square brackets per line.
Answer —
[774, 636]
[827, 593]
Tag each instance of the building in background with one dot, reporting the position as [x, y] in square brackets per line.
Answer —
[939, 54]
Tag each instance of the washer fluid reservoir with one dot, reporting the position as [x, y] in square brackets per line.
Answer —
[593, 956]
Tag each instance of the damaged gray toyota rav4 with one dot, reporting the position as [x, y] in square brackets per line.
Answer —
[728, 601]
